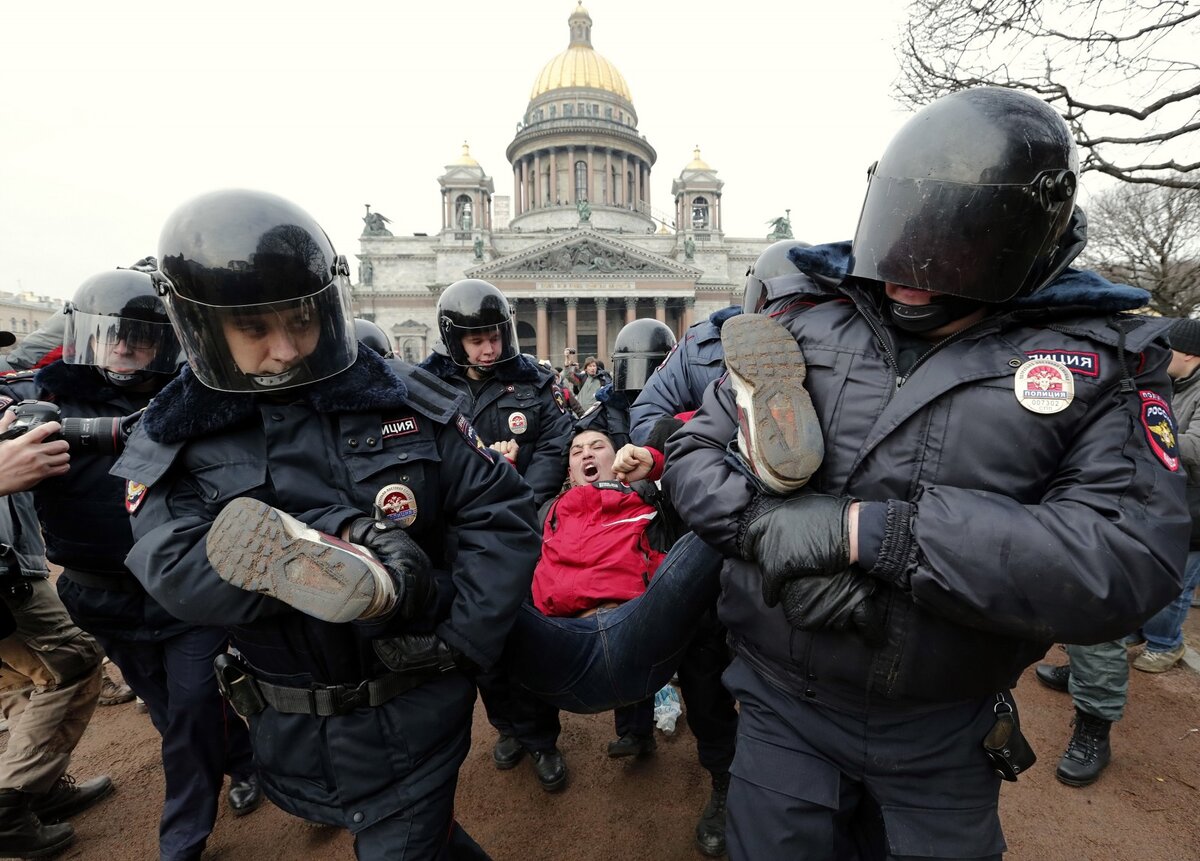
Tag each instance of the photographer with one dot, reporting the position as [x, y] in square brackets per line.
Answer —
[119, 350]
[49, 669]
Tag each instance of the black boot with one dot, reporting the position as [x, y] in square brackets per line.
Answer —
[66, 798]
[22, 834]
[550, 768]
[1055, 677]
[1087, 752]
[710, 830]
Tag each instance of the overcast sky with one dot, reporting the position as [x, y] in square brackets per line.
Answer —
[115, 113]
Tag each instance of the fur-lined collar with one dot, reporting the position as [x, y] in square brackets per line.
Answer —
[718, 318]
[187, 408]
[1074, 288]
[85, 383]
[522, 369]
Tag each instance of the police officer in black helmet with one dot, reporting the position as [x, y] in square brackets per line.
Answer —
[514, 404]
[338, 513]
[639, 348]
[119, 351]
[368, 332]
[977, 499]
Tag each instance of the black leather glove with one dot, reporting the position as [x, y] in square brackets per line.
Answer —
[403, 558]
[836, 602]
[421, 652]
[797, 536]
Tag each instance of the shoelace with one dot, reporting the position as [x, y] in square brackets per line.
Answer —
[1085, 740]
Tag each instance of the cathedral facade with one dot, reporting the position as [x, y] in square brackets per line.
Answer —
[579, 248]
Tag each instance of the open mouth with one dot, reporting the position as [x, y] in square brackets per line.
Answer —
[591, 471]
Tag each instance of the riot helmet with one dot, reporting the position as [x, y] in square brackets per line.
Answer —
[116, 322]
[256, 291]
[472, 307]
[772, 274]
[640, 347]
[366, 332]
[970, 199]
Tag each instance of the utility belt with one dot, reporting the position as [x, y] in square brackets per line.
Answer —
[250, 695]
[109, 582]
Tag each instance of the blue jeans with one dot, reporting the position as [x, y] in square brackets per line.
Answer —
[621, 656]
[1164, 630]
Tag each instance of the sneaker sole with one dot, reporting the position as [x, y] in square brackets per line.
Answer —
[260, 549]
[776, 413]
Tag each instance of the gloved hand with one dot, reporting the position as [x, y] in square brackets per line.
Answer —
[402, 557]
[416, 652]
[833, 602]
[797, 536]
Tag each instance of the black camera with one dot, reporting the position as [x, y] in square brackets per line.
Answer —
[101, 434]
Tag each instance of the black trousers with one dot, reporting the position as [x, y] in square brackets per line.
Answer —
[711, 712]
[812, 782]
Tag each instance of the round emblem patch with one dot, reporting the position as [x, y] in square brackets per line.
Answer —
[398, 503]
[1044, 386]
[517, 423]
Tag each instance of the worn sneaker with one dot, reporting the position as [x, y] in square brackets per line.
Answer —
[260, 549]
[778, 432]
[1150, 661]
[112, 692]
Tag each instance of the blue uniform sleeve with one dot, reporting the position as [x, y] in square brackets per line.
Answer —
[545, 472]
[494, 545]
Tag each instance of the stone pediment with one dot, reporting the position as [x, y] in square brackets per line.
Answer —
[584, 254]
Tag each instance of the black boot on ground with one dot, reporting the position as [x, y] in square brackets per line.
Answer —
[507, 752]
[1054, 676]
[632, 745]
[66, 798]
[710, 830]
[550, 768]
[22, 834]
[1087, 753]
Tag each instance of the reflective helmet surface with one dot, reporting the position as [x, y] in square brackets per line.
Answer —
[640, 347]
[773, 272]
[472, 305]
[367, 332]
[970, 198]
[117, 322]
[241, 266]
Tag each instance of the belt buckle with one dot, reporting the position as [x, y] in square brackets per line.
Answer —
[347, 699]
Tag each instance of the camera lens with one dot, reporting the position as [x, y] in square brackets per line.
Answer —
[101, 434]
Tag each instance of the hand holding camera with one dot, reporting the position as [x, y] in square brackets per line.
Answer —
[26, 457]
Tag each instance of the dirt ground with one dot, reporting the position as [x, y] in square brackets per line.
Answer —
[1146, 806]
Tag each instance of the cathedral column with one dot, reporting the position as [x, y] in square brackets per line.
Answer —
[625, 179]
[517, 188]
[553, 175]
[630, 309]
[571, 176]
[591, 177]
[608, 192]
[637, 185]
[716, 219]
[543, 328]
[537, 180]
[689, 308]
[445, 198]
[572, 334]
[646, 185]
[602, 328]
[660, 308]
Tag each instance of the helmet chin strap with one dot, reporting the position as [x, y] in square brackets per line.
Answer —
[943, 310]
[123, 381]
[274, 381]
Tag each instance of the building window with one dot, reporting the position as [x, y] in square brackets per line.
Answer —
[24, 325]
[581, 189]
[463, 217]
[608, 113]
[700, 213]
[595, 110]
[568, 110]
[552, 112]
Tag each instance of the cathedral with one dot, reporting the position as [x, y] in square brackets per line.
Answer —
[579, 248]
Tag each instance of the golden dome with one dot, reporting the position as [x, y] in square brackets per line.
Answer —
[580, 65]
[465, 159]
[697, 163]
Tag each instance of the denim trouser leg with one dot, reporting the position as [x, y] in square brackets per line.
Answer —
[1164, 631]
[621, 656]
[1099, 679]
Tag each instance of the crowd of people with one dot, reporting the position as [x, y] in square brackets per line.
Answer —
[844, 517]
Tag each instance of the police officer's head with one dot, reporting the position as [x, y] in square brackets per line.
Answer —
[771, 274]
[476, 326]
[116, 322]
[372, 336]
[640, 347]
[971, 200]
[259, 297]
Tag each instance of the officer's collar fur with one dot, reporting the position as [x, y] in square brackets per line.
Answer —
[83, 382]
[187, 409]
[718, 318]
[522, 369]
[1074, 288]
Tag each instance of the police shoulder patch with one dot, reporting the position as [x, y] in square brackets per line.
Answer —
[1087, 364]
[135, 495]
[559, 399]
[1159, 425]
[468, 432]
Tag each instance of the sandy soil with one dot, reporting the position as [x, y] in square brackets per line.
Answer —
[1145, 806]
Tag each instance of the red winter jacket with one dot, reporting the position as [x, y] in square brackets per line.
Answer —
[595, 548]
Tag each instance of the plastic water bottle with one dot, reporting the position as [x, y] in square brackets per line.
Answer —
[667, 709]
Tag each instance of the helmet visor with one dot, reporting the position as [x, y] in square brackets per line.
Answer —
[121, 344]
[978, 241]
[632, 371]
[267, 346]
